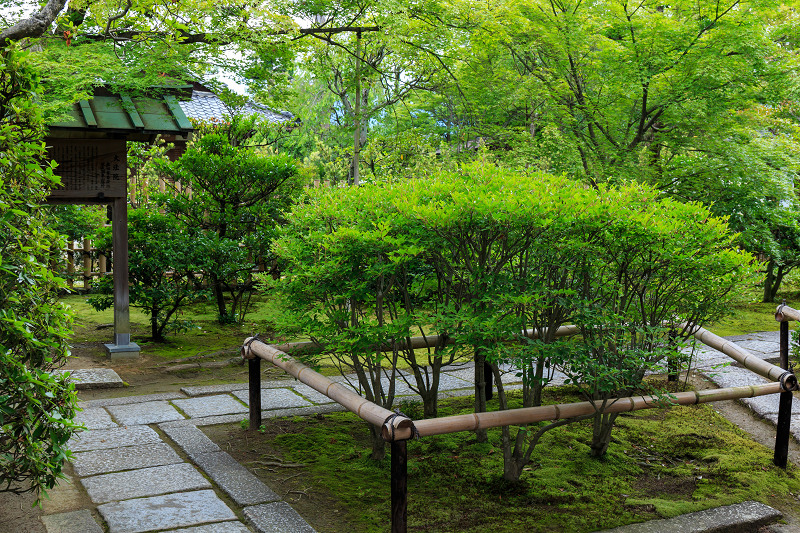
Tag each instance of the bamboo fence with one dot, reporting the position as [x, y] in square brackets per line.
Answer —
[395, 428]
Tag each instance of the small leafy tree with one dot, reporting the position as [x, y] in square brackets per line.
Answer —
[162, 272]
[36, 407]
[231, 199]
[658, 263]
[344, 264]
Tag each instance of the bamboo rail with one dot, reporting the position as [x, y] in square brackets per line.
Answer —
[416, 342]
[785, 313]
[747, 360]
[365, 409]
[400, 428]
[529, 415]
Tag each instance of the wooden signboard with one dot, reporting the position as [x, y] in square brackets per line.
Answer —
[90, 169]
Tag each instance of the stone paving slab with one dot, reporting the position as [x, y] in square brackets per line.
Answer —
[236, 480]
[95, 418]
[277, 517]
[274, 398]
[219, 527]
[759, 347]
[310, 394]
[219, 404]
[202, 390]
[112, 438]
[144, 413]
[144, 482]
[745, 516]
[401, 388]
[76, 521]
[190, 439]
[735, 377]
[93, 378]
[124, 458]
[127, 400]
[165, 512]
[769, 404]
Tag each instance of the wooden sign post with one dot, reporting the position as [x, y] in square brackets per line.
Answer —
[90, 148]
[95, 171]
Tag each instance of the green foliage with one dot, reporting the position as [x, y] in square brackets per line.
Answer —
[480, 256]
[163, 264]
[230, 201]
[36, 407]
[77, 222]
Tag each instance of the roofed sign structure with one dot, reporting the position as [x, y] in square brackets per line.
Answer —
[91, 152]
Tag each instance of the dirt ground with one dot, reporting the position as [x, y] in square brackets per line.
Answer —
[149, 374]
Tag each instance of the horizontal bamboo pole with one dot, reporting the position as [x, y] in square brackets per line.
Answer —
[416, 342]
[784, 313]
[372, 413]
[529, 415]
[748, 360]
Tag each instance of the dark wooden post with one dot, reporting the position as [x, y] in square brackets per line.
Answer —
[254, 375]
[785, 406]
[119, 228]
[399, 486]
[122, 348]
[673, 365]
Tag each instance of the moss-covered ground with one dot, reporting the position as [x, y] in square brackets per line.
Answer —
[662, 463]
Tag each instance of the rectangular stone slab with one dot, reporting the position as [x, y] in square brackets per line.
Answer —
[127, 400]
[190, 439]
[144, 413]
[112, 438]
[277, 517]
[224, 527]
[124, 458]
[274, 398]
[165, 512]
[236, 480]
[310, 394]
[93, 378]
[219, 404]
[144, 482]
[71, 522]
[95, 418]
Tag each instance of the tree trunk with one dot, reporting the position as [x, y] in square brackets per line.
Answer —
[601, 433]
[155, 331]
[378, 444]
[769, 281]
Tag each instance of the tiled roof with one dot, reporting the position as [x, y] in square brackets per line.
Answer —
[206, 105]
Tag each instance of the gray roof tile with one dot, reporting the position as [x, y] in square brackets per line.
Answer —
[206, 105]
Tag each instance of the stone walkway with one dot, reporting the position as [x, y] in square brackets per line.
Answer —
[147, 467]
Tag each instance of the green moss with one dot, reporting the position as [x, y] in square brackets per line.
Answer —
[661, 464]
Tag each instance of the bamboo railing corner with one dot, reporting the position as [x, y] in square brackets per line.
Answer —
[397, 428]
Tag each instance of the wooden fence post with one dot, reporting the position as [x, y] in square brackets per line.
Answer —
[101, 265]
[70, 262]
[399, 484]
[254, 375]
[87, 264]
[784, 407]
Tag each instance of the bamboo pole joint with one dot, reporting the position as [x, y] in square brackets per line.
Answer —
[247, 353]
[784, 313]
[398, 421]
